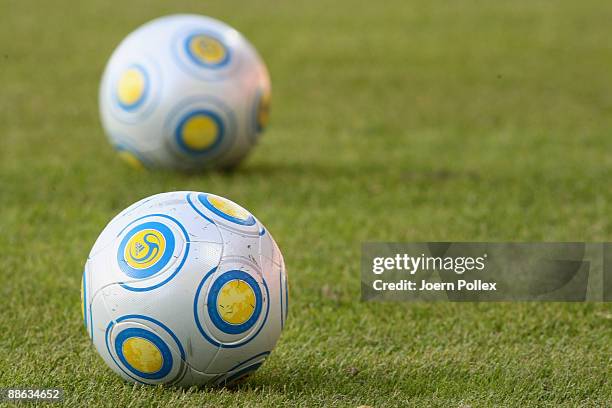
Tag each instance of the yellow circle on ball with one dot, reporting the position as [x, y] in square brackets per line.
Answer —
[207, 49]
[200, 132]
[144, 248]
[131, 159]
[263, 114]
[142, 355]
[229, 208]
[131, 86]
[236, 302]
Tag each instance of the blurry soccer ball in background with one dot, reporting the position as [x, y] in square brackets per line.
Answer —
[184, 288]
[184, 92]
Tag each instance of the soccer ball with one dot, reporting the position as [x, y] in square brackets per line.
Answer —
[184, 288]
[184, 92]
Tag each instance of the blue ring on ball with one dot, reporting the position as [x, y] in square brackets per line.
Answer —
[197, 210]
[242, 373]
[160, 263]
[153, 338]
[280, 291]
[84, 285]
[203, 198]
[178, 133]
[201, 328]
[145, 92]
[213, 295]
[123, 147]
[286, 297]
[139, 317]
[264, 354]
[198, 61]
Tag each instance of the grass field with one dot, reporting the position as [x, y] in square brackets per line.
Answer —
[394, 121]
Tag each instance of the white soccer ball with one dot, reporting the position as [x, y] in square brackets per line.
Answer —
[184, 288]
[184, 92]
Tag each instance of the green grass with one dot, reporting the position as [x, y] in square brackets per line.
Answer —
[407, 121]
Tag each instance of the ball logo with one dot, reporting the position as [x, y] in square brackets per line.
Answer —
[132, 87]
[146, 249]
[236, 302]
[206, 50]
